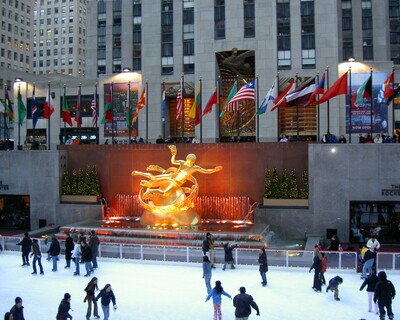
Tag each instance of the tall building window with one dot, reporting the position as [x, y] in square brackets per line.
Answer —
[283, 34]
[307, 34]
[219, 19]
[347, 30]
[188, 36]
[249, 19]
[366, 12]
[117, 22]
[167, 37]
[394, 22]
[137, 35]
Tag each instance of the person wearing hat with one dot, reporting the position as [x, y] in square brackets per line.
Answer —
[18, 310]
[64, 307]
[243, 303]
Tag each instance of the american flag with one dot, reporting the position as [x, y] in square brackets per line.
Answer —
[245, 93]
[94, 112]
[179, 103]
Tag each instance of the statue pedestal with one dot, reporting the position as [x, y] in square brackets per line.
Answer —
[180, 218]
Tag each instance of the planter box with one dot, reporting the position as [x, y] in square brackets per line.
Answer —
[78, 199]
[285, 202]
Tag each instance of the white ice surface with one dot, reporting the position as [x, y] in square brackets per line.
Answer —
[161, 291]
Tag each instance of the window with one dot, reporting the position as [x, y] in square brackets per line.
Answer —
[219, 19]
[167, 36]
[249, 19]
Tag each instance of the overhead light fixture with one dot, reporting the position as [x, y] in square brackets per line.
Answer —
[18, 79]
[126, 69]
[352, 59]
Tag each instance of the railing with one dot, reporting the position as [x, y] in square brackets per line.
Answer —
[242, 256]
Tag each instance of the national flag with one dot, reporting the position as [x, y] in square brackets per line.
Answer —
[395, 94]
[21, 108]
[280, 101]
[194, 112]
[387, 87]
[34, 109]
[48, 107]
[301, 94]
[179, 103]
[142, 100]
[365, 91]
[163, 104]
[135, 116]
[271, 95]
[78, 111]
[339, 87]
[9, 109]
[230, 96]
[93, 107]
[213, 100]
[320, 89]
[107, 116]
[66, 114]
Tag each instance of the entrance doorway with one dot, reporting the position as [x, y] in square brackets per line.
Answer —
[15, 212]
[374, 217]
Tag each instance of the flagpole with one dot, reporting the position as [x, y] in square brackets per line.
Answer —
[372, 103]
[201, 111]
[112, 113]
[34, 102]
[129, 112]
[350, 106]
[393, 120]
[297, 112]
[163, 93]
[48, 120]
[65, 124]
[19, 120]
[237, 111]
[256, 107]
[183, 107]
[277, 125]
[327, 103]
[147, 111]
[217, 111]
[96, 124]
[318, 111]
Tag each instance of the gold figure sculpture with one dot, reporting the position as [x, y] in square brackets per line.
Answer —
[168, 197]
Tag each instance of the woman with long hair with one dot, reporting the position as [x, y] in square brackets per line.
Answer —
[106, 295]
[263, 266]
[90, 298]
[216, 294]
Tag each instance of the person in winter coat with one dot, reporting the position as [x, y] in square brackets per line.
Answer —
[107, 295]
[8, 316]
[216, 293]
[263, 266]
[334, 286]
[69, 246]
[370, 283]
[87, 258]
[317, 266]
[323, 268]
[384, 294]
[369, 259]
[18, 310]
[228, 255]
[64, 307]
[206, 245]
[37, 256]
[76, 256]
[243, 303]
[54, 251]
[94, 243]
[91, 299]
[207, 273]
[26, 245]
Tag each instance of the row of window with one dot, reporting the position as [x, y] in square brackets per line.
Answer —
[18, 5]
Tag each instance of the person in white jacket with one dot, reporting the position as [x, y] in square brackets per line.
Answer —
[76, 256]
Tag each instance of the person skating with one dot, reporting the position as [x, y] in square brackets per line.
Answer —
[8, 316]
[69, 246]
[384, 294]
[26, 245]
[75, 255]
[90, 298]
[317, 266]
[107, 295]
[369, 259]
[263, 266]
[17, 310]
[37, 257]
[371, 283]
[228, 255]
[243, 303]
[216, 294]
[64, 307]
[334, 286]
[54, 251]
[87, 258]
[207, 273]
[323, 268]
[94, 243]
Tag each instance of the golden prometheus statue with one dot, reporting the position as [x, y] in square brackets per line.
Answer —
[168, 196]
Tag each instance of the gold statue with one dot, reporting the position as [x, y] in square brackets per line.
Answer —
[165, 198]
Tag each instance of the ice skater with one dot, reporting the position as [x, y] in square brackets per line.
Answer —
[216, 294]
[228, 255]
[90, 298]
[334, 286]
[17, 310]
[370, 283]
[26, 245]
[75, 255]
[317, 266]
[263, 266]
[384, 294]
[37, 257]
[107, 295]
[207, 273]
[64, 307]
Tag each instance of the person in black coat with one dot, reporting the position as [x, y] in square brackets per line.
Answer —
[18, 310]
[54, 251]
[64, 307]
[371, 283]
[94, 243]
[263, 266]
[228, 255]
[317, 266]
[384, 294]
[243, 303]
[107, 295]
[87, 258]
[26, 245]
[69, 246]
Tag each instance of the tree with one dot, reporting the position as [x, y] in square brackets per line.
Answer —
[293, 188]
[303, 193]
[284, 185]
[66, 187]
[267, 184]
[275, 184]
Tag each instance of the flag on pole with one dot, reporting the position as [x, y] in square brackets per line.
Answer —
[66, 114]
[163, 103]
[365, 91]
[339, 87]
[395, 94]
[301, 94]
[21, 108]
[271, 95]
[179, 103]
[34, 109]
[107, 116]
[320, 89]
[212, 101]
[142, 100]
[78, 111]
[280, 101]
[93, 107]
[9, 109]
[195, 111]
[230, 96]
[48, 107]
[387, 87]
